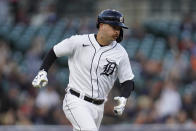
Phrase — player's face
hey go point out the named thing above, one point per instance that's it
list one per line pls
(111, 33)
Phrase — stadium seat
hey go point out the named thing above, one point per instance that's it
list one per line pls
(138, 76)
(16, 33)
(69, 33)
(146, 45)
(24, 41)
(63, 76)
(174, 28)
(132, 46)
(157, 27)
(44, 31)
(5, 29)
(158, 49)
(55, 36)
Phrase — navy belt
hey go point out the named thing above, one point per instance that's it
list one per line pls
(86, 98)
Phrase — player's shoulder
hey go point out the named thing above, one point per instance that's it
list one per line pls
(79, 36)
(120, 48)
(121, 51)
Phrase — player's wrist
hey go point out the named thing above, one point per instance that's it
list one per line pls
(127, 88)
(121, 99)
(43, 72)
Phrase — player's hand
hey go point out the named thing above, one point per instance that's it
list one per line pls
(118, 110)
(40, 80)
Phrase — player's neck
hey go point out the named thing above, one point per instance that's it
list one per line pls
(101, 40)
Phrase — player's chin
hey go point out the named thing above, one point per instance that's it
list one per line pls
(115, 37)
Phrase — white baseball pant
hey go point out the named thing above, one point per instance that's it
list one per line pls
(83, 115)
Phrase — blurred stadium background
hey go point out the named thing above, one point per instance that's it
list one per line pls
(161, 43)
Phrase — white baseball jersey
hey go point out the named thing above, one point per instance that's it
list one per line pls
(94, 68)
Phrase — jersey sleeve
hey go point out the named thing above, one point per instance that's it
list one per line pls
(65, 47)
(124, 70)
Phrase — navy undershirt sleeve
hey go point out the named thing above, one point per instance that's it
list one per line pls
(48, 60)
(126, 88)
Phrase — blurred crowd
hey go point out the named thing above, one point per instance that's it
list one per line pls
(164, 90)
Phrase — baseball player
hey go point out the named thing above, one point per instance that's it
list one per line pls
(95, 62)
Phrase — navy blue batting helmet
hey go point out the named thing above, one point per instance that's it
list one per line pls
(111, 17)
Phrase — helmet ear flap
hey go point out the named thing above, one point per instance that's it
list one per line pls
(97, 23)
(120, 38)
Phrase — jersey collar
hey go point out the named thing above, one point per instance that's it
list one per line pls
(97, 46)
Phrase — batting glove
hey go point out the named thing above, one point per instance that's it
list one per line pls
(118, 110)
(40, 80)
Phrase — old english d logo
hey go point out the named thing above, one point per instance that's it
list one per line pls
(109, 68)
